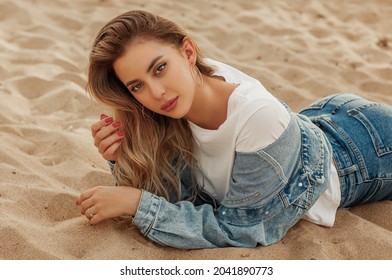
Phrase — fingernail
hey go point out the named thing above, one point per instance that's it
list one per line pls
(116, 124)
(108, 120)
(121, 133)
(103, 116)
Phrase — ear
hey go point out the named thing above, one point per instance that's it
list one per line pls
(188, 49)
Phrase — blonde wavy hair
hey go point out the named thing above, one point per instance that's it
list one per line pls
(157, 148)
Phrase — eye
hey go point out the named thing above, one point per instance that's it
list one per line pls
(135, 87)
(160, 68)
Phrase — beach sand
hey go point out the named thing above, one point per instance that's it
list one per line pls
(300, 50)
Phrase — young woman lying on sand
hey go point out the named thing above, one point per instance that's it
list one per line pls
(204, 156)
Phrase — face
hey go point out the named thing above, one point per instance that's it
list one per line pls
(158, 75)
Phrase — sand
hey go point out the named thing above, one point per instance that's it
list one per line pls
(300, 50)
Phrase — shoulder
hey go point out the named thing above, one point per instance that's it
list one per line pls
(256, 115)
(230, 73)
(262, 120)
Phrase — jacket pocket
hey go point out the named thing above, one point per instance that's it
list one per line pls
(299, 193)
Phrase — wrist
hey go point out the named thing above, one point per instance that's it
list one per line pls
(134, 202)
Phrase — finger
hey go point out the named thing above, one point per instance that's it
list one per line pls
(105, 145)
(95, 219)
(84, 196)
(90, 213)
(98, 126)
(105, 133)
(110, 153)
(86, 205)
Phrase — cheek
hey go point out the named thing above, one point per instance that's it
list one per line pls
(184, 77)
(144, 100)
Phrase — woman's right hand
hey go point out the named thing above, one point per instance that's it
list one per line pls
(107, 136)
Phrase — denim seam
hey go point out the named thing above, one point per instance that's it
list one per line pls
(147, 212)
(318, 173)
(354, 148)
(274, 164)
(337, 108)
(319, 104)
(320, 168)
(379, 146)
(242, 200)
(379, 186)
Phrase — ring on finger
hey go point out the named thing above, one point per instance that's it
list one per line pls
(90, 214)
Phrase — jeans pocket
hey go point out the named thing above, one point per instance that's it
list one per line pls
(377, 119)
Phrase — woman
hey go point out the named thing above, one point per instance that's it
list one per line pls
(204, 156)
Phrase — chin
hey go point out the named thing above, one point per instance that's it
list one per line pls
(177, 114)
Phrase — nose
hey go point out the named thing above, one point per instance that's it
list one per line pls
(157, 90)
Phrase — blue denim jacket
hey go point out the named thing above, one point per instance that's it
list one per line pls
(270, 190)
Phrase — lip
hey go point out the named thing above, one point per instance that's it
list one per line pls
(170, 105)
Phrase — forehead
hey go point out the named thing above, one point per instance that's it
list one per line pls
(142, 48)
(139, 53)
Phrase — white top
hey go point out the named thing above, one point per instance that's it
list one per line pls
(239, 133)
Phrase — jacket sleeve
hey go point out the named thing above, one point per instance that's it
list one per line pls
(184, 225)
(253, 212)
(189, 225)
(270, 191)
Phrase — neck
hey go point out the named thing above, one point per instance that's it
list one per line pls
(209, 107)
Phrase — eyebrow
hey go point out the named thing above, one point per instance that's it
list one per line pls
(152, 63)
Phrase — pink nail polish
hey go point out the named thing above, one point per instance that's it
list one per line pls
(116, 124)
(121, 133)
(108, 120)
(103, 116)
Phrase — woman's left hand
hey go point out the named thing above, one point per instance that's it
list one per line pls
(104, 202)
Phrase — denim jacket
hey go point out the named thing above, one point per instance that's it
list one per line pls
(270, 190)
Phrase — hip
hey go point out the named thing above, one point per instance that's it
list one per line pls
(360, 133)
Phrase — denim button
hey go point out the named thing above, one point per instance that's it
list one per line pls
(266, 212)
(224, 213)
(300, 184)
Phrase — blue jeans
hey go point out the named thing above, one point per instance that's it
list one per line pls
(360, 133)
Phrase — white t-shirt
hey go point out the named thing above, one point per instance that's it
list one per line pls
(240, 134)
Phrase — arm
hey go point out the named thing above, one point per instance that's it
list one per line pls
(259, 208)
(240, 221)
(183, 225)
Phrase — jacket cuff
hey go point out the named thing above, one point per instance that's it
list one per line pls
(147, 210)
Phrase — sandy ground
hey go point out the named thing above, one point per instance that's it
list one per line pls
(300, 50)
